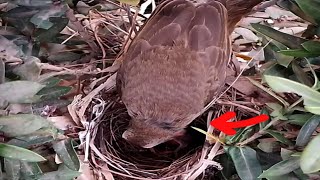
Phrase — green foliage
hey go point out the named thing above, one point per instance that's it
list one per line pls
(20, 91)
(307, 130)
(14, 152)
(310, 158)
(293, 69)
(309, 95)
(245, 162)
(282, 168)
(32, 32)
(29, 123)
(67, 154)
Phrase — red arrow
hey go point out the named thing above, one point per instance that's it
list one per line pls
(228, 127)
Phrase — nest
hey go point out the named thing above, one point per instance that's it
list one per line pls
(112, 154)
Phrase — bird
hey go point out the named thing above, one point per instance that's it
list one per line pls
(175, 65)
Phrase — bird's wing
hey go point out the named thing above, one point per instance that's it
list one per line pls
(208, 35)
(167, 22)
(202, 28)
(162, 28)
(199, 28)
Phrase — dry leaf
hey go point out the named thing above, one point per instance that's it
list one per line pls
(86, 170)
(62, 122)
(130, 2)
(247, 34)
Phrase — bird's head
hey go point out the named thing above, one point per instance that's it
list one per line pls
(148, 134)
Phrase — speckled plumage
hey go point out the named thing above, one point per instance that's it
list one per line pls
(173, 67)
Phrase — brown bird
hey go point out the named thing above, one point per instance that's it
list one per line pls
(175, 65)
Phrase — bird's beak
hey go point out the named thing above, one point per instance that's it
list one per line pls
(125, 135)
(149, 146)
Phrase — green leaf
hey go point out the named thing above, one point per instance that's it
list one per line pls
(62, 173)
(282, 168)
(315, 110)
(286, 154)
(310, 158)
(280, 58)
(39, 137)
(9, 50)
(268, 146)
(39, 107)
(278, 111)
(12, 169)
(299, 119)
(32, 3)
(307, 130)
(29, 71)
(50, 35)
(29, 170)
(279, 137)
(267, 160)
(241, 134)
(245, 161)
(19, 40)
(67, 154)
(286, 39)
(299, 53)
(294, 8)
(15, 152)
(51, 82)
(53, 92)
(247, 133)
(310, 96)
(276, 70)
(228, 167)
(312, 46)
(263, 124)
(310, 7)
(42, 18)
(299, 173)
(20, 91)
(301, 75)
(289, 176)
(19, 18)
(21, 124)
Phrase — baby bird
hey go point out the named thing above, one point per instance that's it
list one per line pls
(174, 66)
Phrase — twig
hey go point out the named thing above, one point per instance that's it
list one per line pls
(259, 134)
(284, 102)
(80, 29)
(238, 105)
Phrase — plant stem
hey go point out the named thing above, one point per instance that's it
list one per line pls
(294, 104)
(259, 133)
